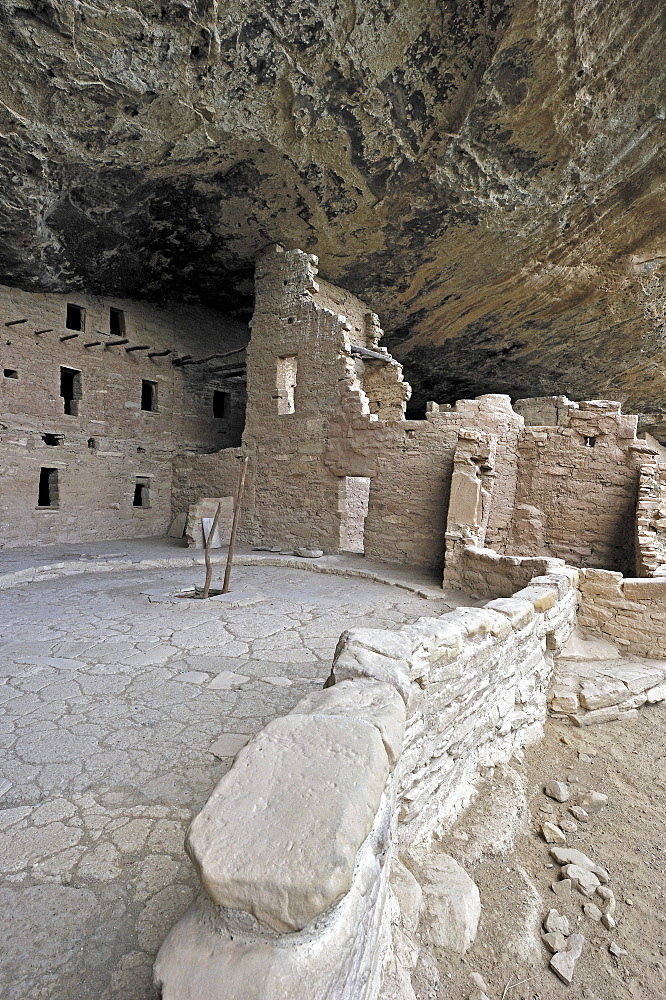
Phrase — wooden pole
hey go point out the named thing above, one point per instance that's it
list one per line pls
(209, 542)
(234, 527)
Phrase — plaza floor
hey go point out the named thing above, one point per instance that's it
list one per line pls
(113, 697)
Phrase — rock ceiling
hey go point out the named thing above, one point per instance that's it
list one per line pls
(488, 175)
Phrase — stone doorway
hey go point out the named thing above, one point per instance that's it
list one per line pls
(353, 507)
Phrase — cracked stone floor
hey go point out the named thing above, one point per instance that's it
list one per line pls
(111, 696)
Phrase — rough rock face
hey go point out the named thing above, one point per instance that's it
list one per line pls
(488, 175)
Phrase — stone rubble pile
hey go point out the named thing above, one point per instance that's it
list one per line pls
(581, 879)
(593, 683)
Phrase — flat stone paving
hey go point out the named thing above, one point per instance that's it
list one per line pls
(111, 697)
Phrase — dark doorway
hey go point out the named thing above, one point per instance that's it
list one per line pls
(116, 322)
(70, 390)
(76, 317)
(148, 395)
(48, 488)
(221, 404)
(141, 494)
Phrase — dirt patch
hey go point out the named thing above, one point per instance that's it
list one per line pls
(514, 875)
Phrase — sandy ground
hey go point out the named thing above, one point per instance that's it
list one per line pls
(498, 842)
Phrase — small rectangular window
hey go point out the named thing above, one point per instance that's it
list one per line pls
(141, 493)
(10, 373)
(52, 440)
(48, 488)
(116, 322)
(221, 404)
(286, 383)
(148, 395)
(76, 317)
(71, 390)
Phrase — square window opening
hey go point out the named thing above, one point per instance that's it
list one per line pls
(141, 494)
(52, 440)
(116, 322)
(71, 390)
(221, 404)
(10, 373)
(590, 441)
(48, 488)
(76, 317)
(287, 369)
(148, 395)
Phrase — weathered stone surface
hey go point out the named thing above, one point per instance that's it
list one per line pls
(597, 716)
(392, 143)
(452, 903)
(372, 702)
(316, 784)
(601, 693)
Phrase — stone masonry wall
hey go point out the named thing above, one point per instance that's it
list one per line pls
(345, 418)
(629, 612)
(111, 442)
(578, 485)
(294, 896)
(651, 520)
(210, 475)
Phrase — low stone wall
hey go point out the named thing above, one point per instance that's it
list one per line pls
(483, 572)
(294, 847)
(629, 612)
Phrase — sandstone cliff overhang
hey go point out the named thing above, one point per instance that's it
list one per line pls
(489, 177)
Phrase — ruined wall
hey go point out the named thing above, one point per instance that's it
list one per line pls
(108, 441)
(651, 520)
(396, 743)
(310, 432)
(577, 486)
(629, 612)
(318, 412)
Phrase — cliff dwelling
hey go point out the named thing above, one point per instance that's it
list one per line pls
(332, 501)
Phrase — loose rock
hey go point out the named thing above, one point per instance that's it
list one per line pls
(584, 880)
(592, 801)
(563, 963)
(615, 949)
(608, 896)
(568, 826)
(592, 911)
(608, 921)
(552, 834)
(556, 922)
(570, 856)
(557, 790)
(479, 981)
(579, 814)
(554, 941)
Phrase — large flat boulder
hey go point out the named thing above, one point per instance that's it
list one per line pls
(279, 836)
